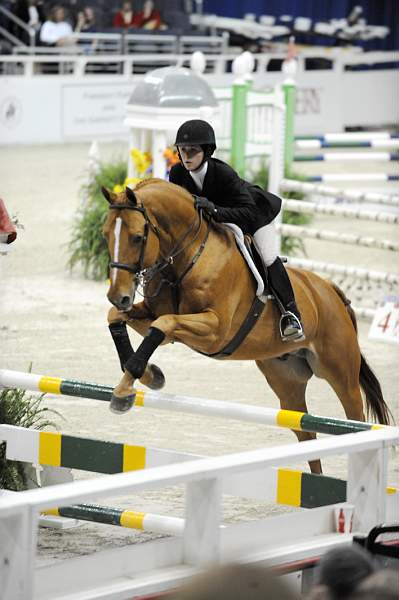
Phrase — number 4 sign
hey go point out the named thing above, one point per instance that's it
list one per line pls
(385, 325)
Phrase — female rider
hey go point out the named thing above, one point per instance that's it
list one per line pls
(227, 198)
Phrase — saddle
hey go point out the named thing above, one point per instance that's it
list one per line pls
(252, 258)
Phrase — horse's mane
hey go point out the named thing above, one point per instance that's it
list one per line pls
(161, 183)
(148, 181)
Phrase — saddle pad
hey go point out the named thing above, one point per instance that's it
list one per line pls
(239, 237)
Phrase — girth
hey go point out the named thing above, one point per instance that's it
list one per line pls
(250, 320)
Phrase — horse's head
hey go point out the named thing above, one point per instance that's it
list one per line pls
(133, 244)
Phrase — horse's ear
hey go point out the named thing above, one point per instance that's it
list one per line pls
(131, 196)
(109, 196)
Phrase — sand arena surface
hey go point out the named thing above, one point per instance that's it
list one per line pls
(57, 321)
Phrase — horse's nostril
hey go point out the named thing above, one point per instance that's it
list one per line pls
(124, 302)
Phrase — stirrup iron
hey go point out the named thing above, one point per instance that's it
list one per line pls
(296, 335)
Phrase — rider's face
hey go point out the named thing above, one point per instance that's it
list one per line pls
(191, 156)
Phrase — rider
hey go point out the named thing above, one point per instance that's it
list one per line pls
(229, 199)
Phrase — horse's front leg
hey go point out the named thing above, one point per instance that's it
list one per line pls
(198, 330)
(140, 319)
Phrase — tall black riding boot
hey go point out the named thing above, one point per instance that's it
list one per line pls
(290, 321)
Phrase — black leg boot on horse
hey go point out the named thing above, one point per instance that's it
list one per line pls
(121, 340)
(136, 365)
(154, 379)
(290, 321)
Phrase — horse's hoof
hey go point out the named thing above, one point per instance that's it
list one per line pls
(121, 405)
(158, 378)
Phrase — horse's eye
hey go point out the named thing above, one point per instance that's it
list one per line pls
(137, 238)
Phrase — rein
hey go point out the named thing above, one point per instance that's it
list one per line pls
(145, 276)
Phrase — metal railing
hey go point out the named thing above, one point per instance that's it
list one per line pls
(88, 58)
(17, 21)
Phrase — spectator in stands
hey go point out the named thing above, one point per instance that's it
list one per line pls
(86, 21)
(126, 17)
(32, 13)
(383, 585)
(235, 582)
(150, 18)
(175, 15)
(56, 31)
(340, 571)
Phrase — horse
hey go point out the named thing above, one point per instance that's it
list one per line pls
(198, 290)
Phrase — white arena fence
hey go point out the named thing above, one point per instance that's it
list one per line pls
(163, 564)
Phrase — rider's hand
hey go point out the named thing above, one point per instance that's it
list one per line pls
(206, 205)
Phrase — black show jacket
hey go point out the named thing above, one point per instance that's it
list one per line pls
(237, 201)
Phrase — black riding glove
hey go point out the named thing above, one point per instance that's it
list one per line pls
(206, 205)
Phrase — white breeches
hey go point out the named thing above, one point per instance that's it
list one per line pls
(266, 243)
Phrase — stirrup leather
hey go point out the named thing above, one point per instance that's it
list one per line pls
(296, 335)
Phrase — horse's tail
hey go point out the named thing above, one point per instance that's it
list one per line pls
(376, 406)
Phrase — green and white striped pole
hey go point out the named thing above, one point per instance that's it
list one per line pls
(239, 115)
(150, 399)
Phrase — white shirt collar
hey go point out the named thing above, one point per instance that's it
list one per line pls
(199, 175)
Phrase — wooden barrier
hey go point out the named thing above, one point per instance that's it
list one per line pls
(43, 448)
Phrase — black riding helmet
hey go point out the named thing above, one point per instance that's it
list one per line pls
(197, 132)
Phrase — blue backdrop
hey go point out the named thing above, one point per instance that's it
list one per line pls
(376, 12)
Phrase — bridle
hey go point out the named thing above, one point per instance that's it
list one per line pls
(138, 268)
(143, 275)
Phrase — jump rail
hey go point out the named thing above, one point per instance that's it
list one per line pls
(217, 408)
(341, 194)
(345, 156)
(313, 144)
(340, 211)
(351, 177)
(355, 272)
(342, 238)
(161, 524)
(349, 137)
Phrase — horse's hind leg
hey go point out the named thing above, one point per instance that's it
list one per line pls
(288, 379)
(339, 363)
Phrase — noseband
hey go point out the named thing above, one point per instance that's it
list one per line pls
(144, 276)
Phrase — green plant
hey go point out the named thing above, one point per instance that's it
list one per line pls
(87, 245)
(290, 245)
(16, 408)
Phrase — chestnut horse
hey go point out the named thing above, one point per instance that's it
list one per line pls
(198, 290)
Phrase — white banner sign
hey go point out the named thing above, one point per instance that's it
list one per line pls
(94, 110)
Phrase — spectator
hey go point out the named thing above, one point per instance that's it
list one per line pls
(235, 582)
(150, 18)
(57, 31)
(339, 572)
(30, 12)
(383, 585)
(126, 17)
(86, 21)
